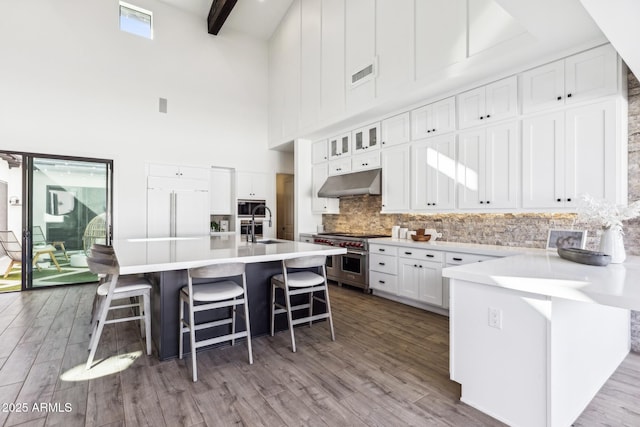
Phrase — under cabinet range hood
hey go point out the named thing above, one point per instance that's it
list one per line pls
(352, 184)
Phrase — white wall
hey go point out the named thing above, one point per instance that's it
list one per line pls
(72, 83)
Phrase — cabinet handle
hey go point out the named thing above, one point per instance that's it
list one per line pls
(559, 98)
(383, 142)
(420, 266)
(408, 253)
(457, 259)
(481, 117)
(569, 95)
(481, 202)
(381, 250)
(428, 204)
(430, 256)
(381, 263)
(382, 282)
(569, 199)
(488, 115)
(488, 201)
(558, 200)
(429, 131)
(433, 130)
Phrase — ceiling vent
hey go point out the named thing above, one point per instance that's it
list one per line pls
(363, 75)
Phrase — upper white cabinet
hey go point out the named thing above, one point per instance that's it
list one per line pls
(488, 167)
(340, 166)
(394, 42)
(320, 204)
(310, 61)
(319, 152)
(365, 161)
(434, 119)
(440, 34)
(220, 193)
(495, 101)
(566, 154)
(251, 185)
(396, 185)
(395, 130)
(366, 138)
(332, 75)
(433, 174)
(175, 171)
(360, 53)
(580, 77)
(340, 146)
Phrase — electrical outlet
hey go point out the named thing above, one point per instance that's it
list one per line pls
(495, 318)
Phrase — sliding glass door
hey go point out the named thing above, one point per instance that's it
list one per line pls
(66, 208)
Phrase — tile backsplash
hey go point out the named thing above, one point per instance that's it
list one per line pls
(362, 214)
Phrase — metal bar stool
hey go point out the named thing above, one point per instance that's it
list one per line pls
(113, 289)
(301, 282)
(213, 295)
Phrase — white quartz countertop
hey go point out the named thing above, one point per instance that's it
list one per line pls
(180, 253)
(547, 274)
(474, 248)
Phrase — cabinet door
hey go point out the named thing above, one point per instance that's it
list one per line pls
(366, 138)
(394, 42)
(169, 171)
(333, 83)
(501, 99)
(443, 116)
(430, 287)
(543, 87)
(244, 185)
(470, 161)
(590, 165)
(319, 152)
(395, 130)
(340, 166)
(543, 161)
(408, 278)
(500, 171)
(395, 179)
(320, 204)
(433, 174)
(339, 146)
(421, 122)
(159, 208)
(220, 193)
(471, 105)
(383, 282)
(591, 74)
(438, 41)
(365, 161)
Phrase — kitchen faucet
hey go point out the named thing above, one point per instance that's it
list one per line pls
(253, 220)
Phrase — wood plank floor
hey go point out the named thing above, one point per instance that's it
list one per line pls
(388, 367)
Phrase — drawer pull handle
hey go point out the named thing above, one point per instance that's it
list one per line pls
(381, 282)
(408, 253)
(457, 259)
(430, 256)
(381, 250)
(381, 263)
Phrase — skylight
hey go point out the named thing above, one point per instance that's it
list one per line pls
(136, 20)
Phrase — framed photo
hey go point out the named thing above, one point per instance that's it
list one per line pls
(566, 239)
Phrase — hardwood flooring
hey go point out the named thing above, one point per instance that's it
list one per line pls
(387, 367)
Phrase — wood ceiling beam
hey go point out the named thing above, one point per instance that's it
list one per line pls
(220, 10)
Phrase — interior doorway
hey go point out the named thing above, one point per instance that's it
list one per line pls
(285, 206)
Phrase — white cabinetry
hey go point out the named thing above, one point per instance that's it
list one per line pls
(420, 275)
(252, 185)
(319, 152)
(434, 119)
(383, 269)
(395, 178)
(366, 138)
(365, 161)
(495, 101)
(340, 166)
(488, 167)
(320, 204)
(452, 259)
(566, 154)
(340, 146)
(433, 173)
(395, 130)
(580, 77)
(175, 171)
(221, 191)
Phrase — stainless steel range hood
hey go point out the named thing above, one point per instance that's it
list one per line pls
(352, 184)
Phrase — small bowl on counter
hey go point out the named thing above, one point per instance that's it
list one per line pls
(421, 237)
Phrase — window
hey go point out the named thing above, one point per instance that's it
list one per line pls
(136, 20)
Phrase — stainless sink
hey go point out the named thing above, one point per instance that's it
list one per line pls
(268, 241)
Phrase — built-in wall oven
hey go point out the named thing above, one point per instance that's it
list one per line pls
(245, 228)
(246, 207)
(351, 268)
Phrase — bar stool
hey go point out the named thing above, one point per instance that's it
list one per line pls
(213, 295)
(113, 289)
(301, 282)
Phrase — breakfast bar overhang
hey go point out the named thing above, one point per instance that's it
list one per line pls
(166, 260)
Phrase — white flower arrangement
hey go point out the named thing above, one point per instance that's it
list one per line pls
(606, 213)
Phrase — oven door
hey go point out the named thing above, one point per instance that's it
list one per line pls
(245, 228)
(354, 270)
(332, 266)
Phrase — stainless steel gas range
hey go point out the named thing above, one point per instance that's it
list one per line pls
(351, 268)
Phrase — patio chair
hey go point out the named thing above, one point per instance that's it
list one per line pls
(13, 248)
(38, 238)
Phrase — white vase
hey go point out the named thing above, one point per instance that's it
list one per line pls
(612, 243)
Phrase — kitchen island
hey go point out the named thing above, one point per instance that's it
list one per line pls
(166, 260)
(533, 337)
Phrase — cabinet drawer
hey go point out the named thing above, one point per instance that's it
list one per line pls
(455, 258)
(382, 249)
(421, 254)
(383, 263)
(383, 282)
